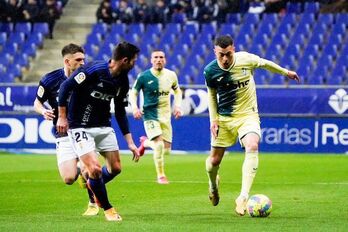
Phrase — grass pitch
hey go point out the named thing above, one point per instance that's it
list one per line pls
(309, 193)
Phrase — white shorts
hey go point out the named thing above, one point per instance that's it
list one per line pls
(85, 140)
(64, 150)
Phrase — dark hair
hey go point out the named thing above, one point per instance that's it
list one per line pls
(72, 49)
(125, 49)
(223, 41)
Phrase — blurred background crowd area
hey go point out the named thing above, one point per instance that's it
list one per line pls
(159, 11)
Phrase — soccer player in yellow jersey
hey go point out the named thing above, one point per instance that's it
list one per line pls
(233, 112)
(157, 84)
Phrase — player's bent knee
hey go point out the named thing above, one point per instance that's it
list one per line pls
(252, 147)
(115, 171)
(69, 180)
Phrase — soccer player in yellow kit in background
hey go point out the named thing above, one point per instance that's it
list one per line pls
(233, 112)
(156, 84)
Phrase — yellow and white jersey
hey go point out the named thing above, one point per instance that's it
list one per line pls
(233, 90)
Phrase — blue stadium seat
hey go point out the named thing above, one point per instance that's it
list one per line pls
(136, 28)
(22, 60)
(24, 27)
(342, 18)
(167, 39)
(208, 29)
(186, 38)
(262, 39)
(339, 29)
(261, 76)
(29, 49)
(293, 7)
(338, 75)
(154, 28)
(37, 39)
(17, 37)
(289, 19)
(276, 80)
(5, 59)
(3, 39)
(250, 18)
(15, 70)
(101, 28)
(311, 7)
(6, 27)
(227, 28)
(257, 49)
(233, 18)
(10, 48)
(331, 49)
(7, 77)
(173, 28)
(42, 28)
(94, 38)
(326, 19)
(191, 29)
(118, 29)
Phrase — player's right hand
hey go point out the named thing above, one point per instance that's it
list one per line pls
(62, 125)
(48, 114)
(137, 114)
(214, 128)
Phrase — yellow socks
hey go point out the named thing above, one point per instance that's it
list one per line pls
(212, 173)
(158, 153)
(249, 169)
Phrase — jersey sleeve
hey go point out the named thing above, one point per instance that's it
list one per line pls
(208, 80)
(259, 62)
(175, 84)
(138, 84)
(42, 92)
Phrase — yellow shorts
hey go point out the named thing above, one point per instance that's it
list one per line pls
(155, 128)
(231, 128)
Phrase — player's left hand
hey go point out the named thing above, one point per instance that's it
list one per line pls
(177, 112)
(293, 76)
(134, 150)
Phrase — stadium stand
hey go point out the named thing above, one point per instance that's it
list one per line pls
(300, 38)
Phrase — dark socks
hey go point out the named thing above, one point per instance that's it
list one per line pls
(99, 190)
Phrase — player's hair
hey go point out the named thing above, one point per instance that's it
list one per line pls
(223, 41)
(125, 49)
(72, 49)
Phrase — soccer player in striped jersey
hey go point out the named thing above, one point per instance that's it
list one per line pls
(233, 112)
(73, 57)
(157, 84)
(88, 120)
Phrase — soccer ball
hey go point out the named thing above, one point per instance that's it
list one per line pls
(259, 205)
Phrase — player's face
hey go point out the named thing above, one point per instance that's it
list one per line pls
(76, 60)
(158, 60)
(129, 64)
(224, 56)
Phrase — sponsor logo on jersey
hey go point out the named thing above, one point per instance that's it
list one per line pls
(101, 84)
(163, 93)
(101, 96)
(219, 78)
(40, 91)
(339, 101)
(80, 77)
(150, 82)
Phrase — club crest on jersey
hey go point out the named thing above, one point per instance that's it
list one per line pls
(40, 91)
(80, 77)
